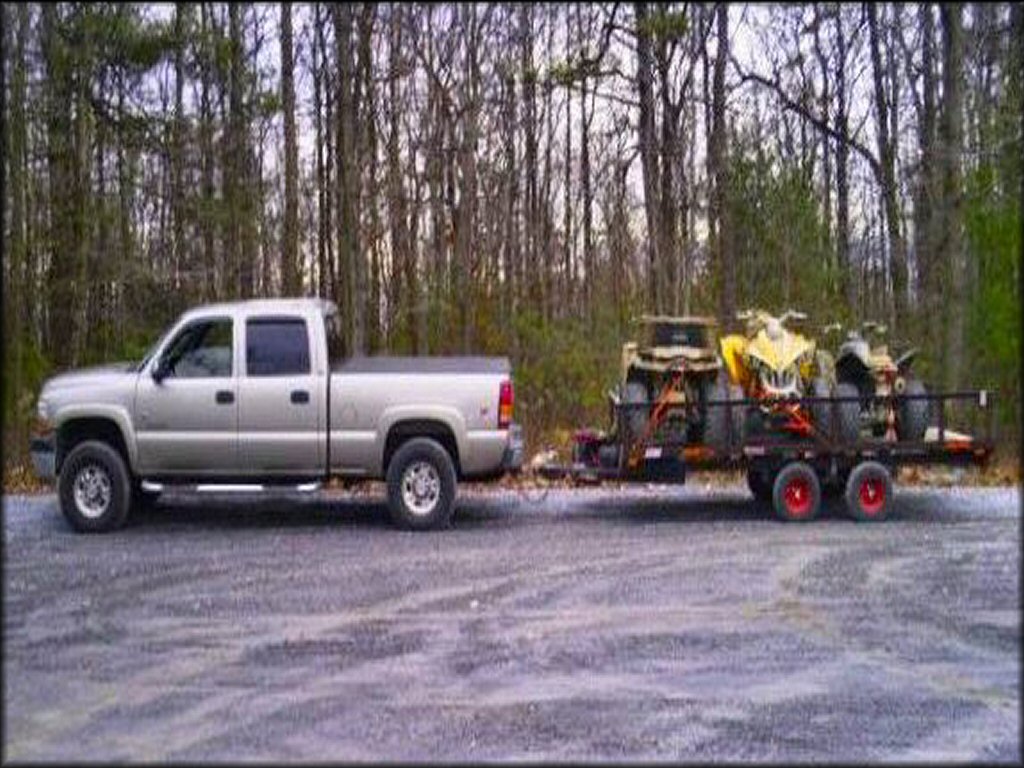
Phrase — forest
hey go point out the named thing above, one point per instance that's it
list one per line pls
(521, 179)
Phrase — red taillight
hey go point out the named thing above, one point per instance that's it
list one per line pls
(505, 399)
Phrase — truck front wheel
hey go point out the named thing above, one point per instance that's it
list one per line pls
(421, 485)
(94, 488)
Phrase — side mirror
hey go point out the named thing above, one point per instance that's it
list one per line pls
(161, 370)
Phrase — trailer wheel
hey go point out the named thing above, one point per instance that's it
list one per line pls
(796, 494)
(760, 482)
(869, 492)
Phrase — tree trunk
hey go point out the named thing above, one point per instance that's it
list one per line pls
(669, 208)
(887, 159)
(404, 279)
(846, 270)
(17, 293)
(717, 171)
(951, 250)
(926, 196)
(318, 131)
(347, 178)
(586, 118)
(290, 268)
(648, 157)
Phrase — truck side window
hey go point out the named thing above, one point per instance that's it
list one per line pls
(203, 350)
(276, 347)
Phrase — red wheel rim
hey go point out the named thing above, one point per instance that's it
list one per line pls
(797, 496)
(872, 495)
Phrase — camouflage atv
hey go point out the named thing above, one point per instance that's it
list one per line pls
(676, 361)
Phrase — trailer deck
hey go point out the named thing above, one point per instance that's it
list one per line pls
(793, 467)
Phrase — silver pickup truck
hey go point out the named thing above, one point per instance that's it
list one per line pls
(243, 398)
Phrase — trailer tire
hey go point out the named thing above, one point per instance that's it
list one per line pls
(421, 485)
(94, 488)
(912, 415)
(796, 493)
(869, 492)
(717, 418)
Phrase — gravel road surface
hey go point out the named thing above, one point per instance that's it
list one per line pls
(597, 624)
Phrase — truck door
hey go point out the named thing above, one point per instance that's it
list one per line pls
(186, 417)
(279, 399)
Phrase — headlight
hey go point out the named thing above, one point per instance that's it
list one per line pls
(43, 409)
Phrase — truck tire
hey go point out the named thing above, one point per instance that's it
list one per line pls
(717, 418)
(634, 420)
(94, 488)
(421, 485)
(912, 415)
(868, 492)
(796, 494)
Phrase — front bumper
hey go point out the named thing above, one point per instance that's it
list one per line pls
(43, 451)
(512, 460)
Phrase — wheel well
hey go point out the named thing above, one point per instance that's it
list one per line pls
(76, 431)
(404, 431)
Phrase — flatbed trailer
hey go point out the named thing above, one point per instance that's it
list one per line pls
(793, 468)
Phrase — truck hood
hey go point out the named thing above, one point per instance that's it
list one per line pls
(91, 377)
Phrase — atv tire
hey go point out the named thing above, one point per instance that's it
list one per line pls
(719, 418)
(821, 413)
(847, 430)
(912, 415)
(634, 420)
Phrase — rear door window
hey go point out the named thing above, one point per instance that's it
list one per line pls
(276, 347)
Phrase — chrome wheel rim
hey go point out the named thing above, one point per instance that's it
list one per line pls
(421, 488)
(93, 491)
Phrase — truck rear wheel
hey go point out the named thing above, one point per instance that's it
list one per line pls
(796, 494)
(869, 492)
(94, 488)
(421, 485)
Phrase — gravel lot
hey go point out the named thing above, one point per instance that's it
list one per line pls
(653, 623)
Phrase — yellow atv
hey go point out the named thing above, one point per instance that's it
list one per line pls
(669, 377)
(877, 376)
(779, 366)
